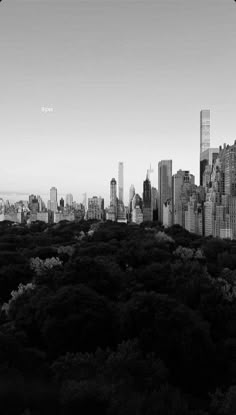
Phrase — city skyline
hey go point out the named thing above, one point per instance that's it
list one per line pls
(85, 84)
(205, 210)
(207, 157)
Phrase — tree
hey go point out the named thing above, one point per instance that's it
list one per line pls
(174, 333)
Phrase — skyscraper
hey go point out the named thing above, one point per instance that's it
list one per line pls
(53, 194)
(69, 199)
(137, 212)
(204, 130)
(85, 201)
(121, 181)
(112, 210)
(227, 156)
(147, 200)
(113, 194)
(207, 158)
(207, 155)
(62, 202)
(52, 203)
(182, 188)
(41, 203)
(220, 204)
(164, 184)
(131, 195)
(121, 214)
(94, 208)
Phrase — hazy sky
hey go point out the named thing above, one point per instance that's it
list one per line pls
(126, 80)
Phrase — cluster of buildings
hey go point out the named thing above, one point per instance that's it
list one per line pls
(34, 209)
(207, 209)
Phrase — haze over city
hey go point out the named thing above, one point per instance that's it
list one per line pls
(122, 81)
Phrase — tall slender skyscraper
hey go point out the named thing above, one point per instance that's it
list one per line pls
(207, 155)
(147, 200)
(131, 195)
(121, 215)
(84, 203)
(112, 210)
(113, 195)
(164, 184)
(204, 130)
(121, 181)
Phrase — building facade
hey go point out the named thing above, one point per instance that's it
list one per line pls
(183, 186)
(69, 200)
(147, 200)
(112, 210)
(204, 130)
(164, 184)
(207, 159)
(95, 210)
(121, 181)
(52, 203)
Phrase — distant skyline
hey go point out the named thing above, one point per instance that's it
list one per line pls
(86, 84)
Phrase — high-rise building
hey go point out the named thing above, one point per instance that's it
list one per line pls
(194, 214)
(220, 206)
(121, 181)
(137, 209)
(207, 159)
(227, 156)
(95, 208)
(40, 202)
(52, 203)
(112, 210)
(182, 189)
(131, 195)
(69, 200)
(147, 200)
(137, 201)
(155, 203)
(33, 204)
(164, 184)
(53, 194)
(167, 213)
(121, 214)
(113, 193)
(204, 130)
(137, 215)
(31, 198)
(62, 203)
(84, 203)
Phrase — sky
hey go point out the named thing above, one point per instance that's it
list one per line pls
(123, 80)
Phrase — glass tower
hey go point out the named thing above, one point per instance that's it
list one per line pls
(164, 184)
(121, 181)
(204, 130)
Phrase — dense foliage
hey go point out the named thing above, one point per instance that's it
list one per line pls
(119, 319)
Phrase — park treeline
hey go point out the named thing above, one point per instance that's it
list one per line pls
(116, 319)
